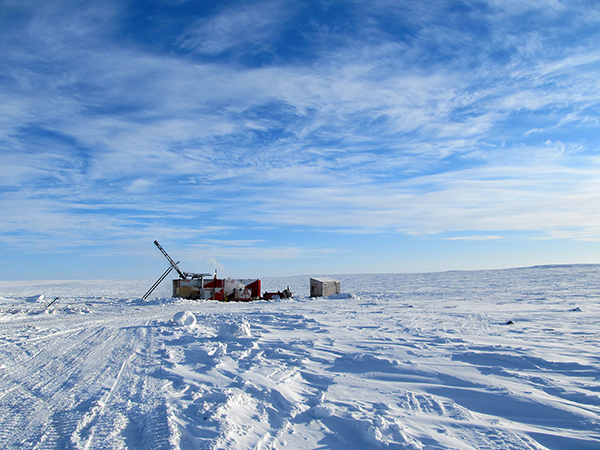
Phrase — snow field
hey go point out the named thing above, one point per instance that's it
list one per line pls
(425, 361)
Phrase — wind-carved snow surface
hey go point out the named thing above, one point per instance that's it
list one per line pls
(460, 360)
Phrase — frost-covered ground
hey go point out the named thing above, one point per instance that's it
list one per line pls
(399, 361)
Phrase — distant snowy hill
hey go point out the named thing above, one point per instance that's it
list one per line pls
(504, 359)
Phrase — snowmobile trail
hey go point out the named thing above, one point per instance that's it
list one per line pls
(61, 383)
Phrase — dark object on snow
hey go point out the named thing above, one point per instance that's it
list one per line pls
(510, 322)
(52, 302)
(286, 293)
(578, 309)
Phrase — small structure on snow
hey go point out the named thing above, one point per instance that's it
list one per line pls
(324, 287)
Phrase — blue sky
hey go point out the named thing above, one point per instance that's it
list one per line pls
(268, 138)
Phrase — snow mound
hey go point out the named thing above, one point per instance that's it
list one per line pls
(235, 329)
(35, 299)
(323, 411)
(184, 319)
(390, 435)
(219, 350)
(75, 309)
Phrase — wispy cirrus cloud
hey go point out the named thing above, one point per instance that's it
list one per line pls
(238, 29)
(450, 117)
(474, 238)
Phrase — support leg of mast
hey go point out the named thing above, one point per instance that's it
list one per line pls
(154, 286)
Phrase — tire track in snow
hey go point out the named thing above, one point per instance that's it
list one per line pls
(133, 412)
(39, 386)
(57, 379)
(74, 383)
(89, 424)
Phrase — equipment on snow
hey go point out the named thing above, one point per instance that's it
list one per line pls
(195, 286)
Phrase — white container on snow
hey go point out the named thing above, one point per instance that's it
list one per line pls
(324, 287)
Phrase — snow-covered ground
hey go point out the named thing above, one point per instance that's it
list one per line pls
(505, 359)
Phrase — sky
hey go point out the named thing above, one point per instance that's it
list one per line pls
(272, 138)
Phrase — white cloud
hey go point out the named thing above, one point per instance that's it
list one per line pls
(475, 238)
(246, 28)
(139, 186)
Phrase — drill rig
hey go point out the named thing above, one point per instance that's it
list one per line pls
(206, 286)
